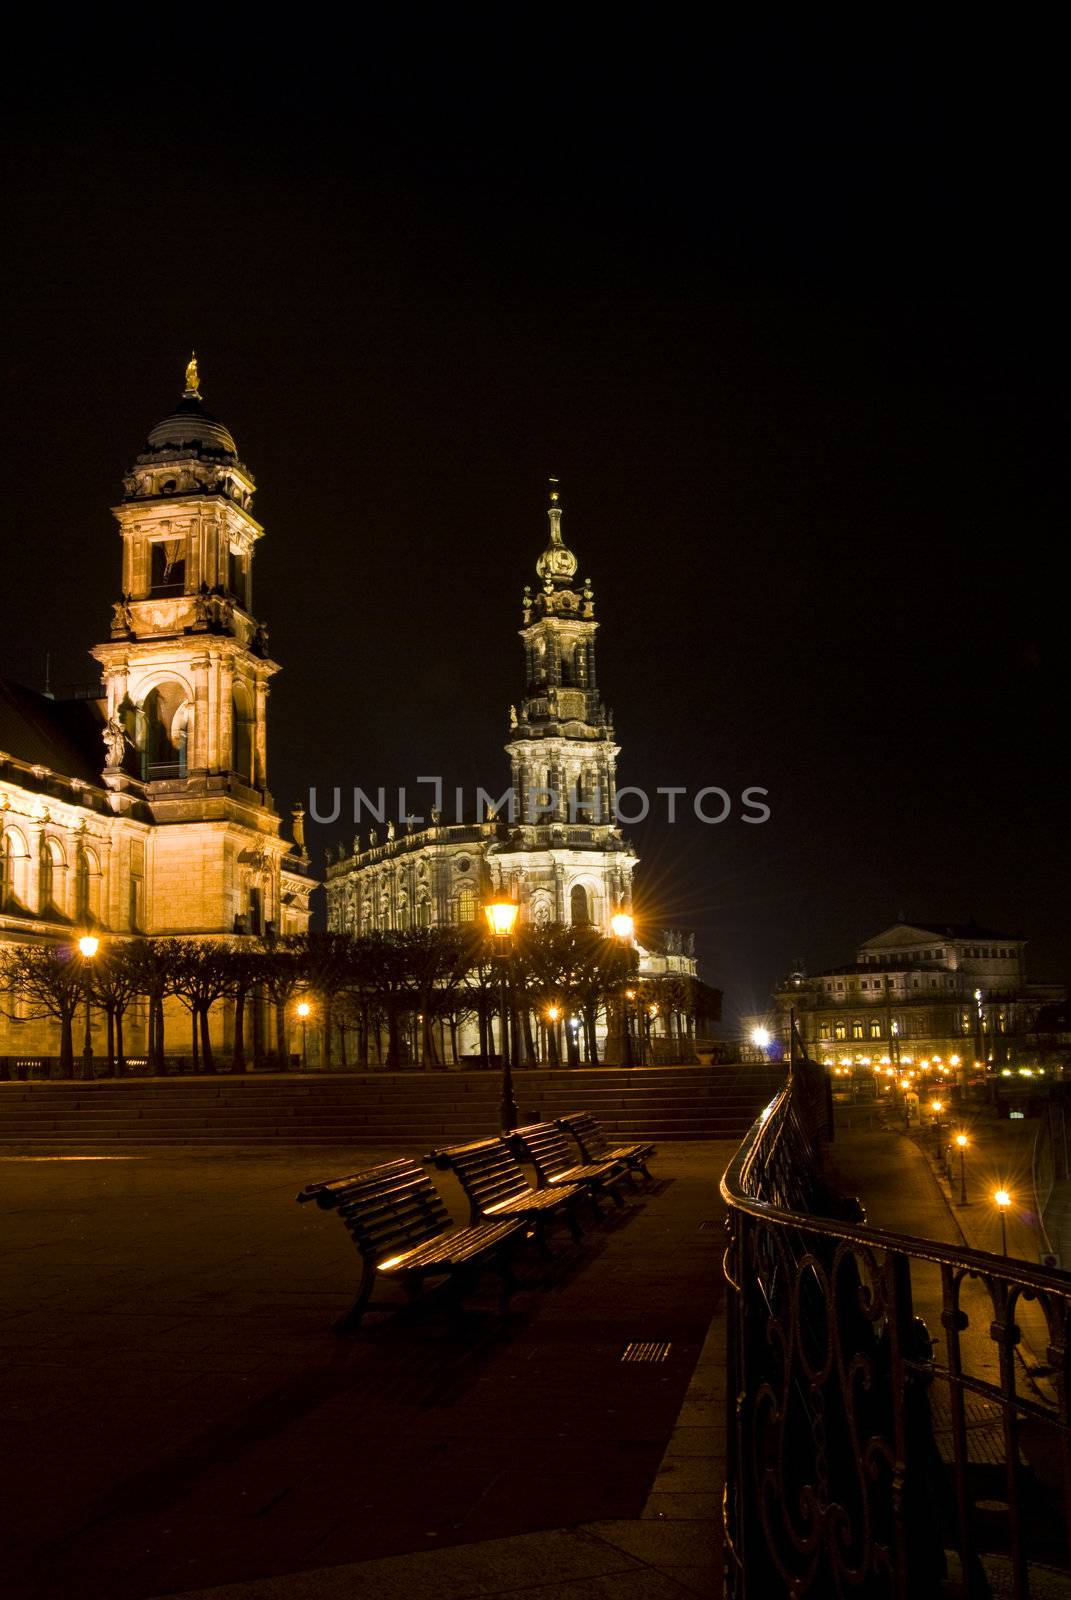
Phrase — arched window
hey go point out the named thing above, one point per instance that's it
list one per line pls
(466, 905)
(52, 870)
(242, 742)
(162, 732)
(87, 887)
(579, 905)
(14, 865)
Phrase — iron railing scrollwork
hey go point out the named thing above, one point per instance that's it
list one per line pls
(864, 1460)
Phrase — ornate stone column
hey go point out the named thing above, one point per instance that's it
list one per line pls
(35, 834)
(261, 766)
(222, 758)
(198, 759)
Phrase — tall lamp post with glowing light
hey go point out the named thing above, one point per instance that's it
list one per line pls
(1003, 1200)
(623, 925)
(501, 920)
(88, 946)
(961, 1145)
(937, 1106)
(304, 1011)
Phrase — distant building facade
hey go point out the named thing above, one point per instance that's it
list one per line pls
(146, 809)
(951, 993)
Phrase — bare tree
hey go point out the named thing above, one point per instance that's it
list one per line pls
(47, 981)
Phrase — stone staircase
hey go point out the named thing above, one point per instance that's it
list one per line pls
(407, 1109)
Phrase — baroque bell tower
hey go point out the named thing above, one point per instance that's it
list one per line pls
(562, 753)
(563, 855)
(186, 677)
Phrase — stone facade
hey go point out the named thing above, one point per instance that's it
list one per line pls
(147, 811)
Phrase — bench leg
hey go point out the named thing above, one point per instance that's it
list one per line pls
(352, 1320)
(571, 1218)
(614, 1191)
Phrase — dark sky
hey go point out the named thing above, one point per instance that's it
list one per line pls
(783, 309)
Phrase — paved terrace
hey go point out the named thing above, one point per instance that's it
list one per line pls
(179, 1416)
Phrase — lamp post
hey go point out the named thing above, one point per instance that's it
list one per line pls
(937, 1106)
(501, 920)
(1003, 1199)
(88, 945)
(304, 1011)
(962, 1142)
(623, 925)
(553, 1014)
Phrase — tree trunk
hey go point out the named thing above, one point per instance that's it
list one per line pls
(429, 1049)
(120, 1059)
(529, 1042)
(453, 1042)
(66, 1047)
(282, 1044)
(238, 1057)
(207, 1057)
(196, 1054)
(327, 1033)
(160, 1064)
(111, 1041)
(590, 1017)
(394, 1052)
(552, 1044)
(481, 1018)
(362, 1037)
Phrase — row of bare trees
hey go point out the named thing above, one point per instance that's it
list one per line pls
(382, 999)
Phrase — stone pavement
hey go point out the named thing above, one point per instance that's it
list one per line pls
(178, 1414)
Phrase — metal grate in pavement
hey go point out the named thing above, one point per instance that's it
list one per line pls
(648, 1350)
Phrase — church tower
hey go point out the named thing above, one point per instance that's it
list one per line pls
(186, 678)
(562, 755)
(565, 856)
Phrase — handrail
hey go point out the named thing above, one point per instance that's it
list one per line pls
(856, 1461)
(1013, 1271)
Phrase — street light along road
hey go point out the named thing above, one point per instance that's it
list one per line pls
(501, 920)
(88, 945)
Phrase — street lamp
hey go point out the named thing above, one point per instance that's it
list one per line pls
(501, 920)
(304, 1011)
(760, 1038)
(1003, 1200)
(937, 1106)
(553, 1014)
(622, 924)
(962, 1142)
(88, 946)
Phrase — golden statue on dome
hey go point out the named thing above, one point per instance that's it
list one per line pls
(192, 379)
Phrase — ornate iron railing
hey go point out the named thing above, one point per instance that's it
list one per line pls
(862, 1460)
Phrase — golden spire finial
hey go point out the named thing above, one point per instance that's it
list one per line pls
(192, 380)
(554, 496)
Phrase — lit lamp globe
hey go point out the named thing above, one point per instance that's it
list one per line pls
(88, 945)
(760, 1038)
(303, 1009)
(501, 917)
(622, 924)
(553, 1013)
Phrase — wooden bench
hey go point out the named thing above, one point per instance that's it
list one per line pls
(495, 1186)
(594, 1146)
(552, 1156)
(402, 1229)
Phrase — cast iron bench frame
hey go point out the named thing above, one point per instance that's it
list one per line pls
(549, 1151)
(495, 1186)
(401, 1228)
(593, 1145)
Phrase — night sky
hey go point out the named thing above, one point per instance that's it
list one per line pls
(780, 308)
